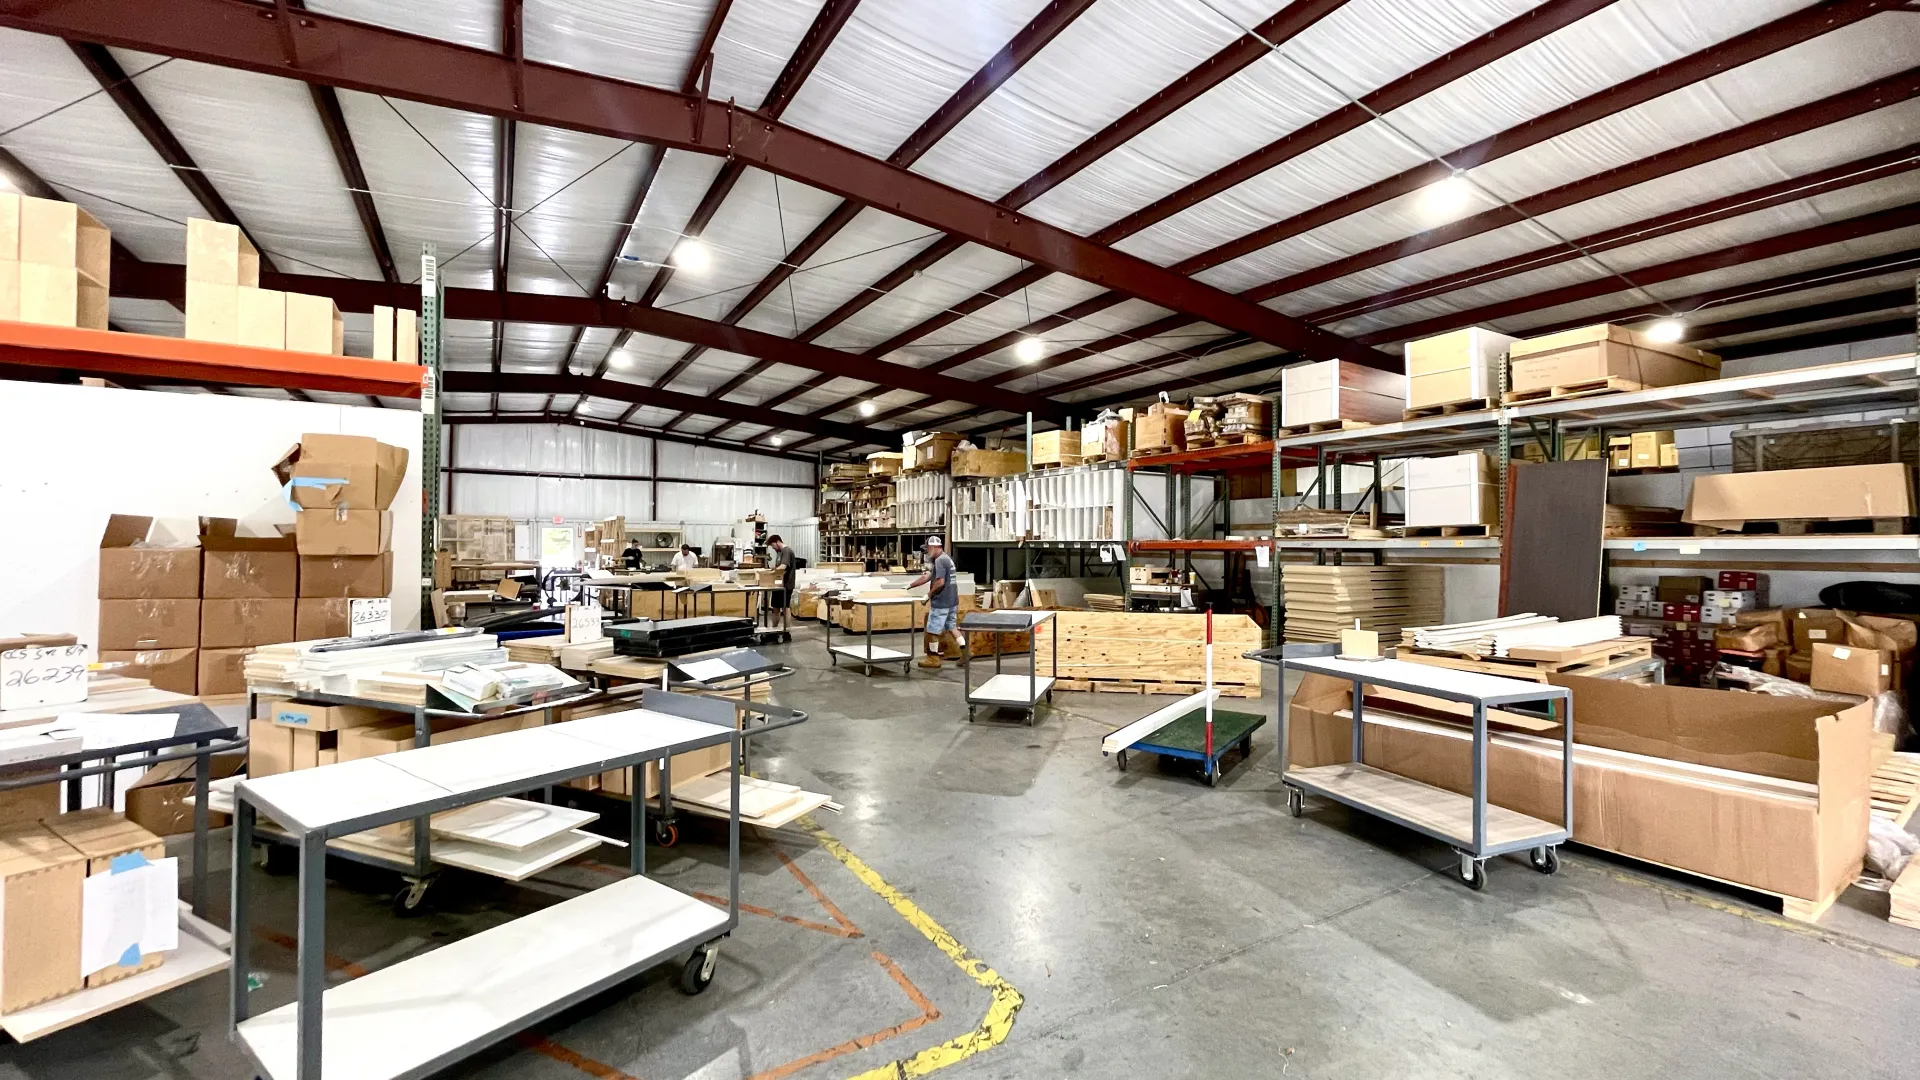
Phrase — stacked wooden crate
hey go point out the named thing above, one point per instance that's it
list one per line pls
(54, 263)
(1321, 601)
(1142, 653)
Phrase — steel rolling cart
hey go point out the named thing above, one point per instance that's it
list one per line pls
(868, 654)
(1476, 829)
(418, 1016)
(1005, 690)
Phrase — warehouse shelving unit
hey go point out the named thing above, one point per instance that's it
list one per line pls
(112, 354)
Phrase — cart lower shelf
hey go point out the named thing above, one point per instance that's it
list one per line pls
(1186, 737)
(1441, 814)
(417, 1016)
(1017, 691)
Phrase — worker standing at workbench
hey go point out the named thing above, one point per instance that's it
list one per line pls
(943, 606)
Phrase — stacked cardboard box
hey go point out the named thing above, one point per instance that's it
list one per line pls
(1331, 390)
(247, 598)
(149, 605)
(44, 867)
(343, 485)
(1593, 353)
(1457, 489)
(1164, 428)
(396, 334)
(226, 304)
(1461, 366)
(54, 262)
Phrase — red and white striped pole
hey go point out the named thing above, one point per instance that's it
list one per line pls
(1209, 685)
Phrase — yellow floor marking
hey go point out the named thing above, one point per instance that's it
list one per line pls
(993, 1027)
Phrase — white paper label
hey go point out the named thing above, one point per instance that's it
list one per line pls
(1841, 652)
(43, 675)
(583, 624)
(127, 914)
(1262, 556)
(1815, 634)
(370, 617)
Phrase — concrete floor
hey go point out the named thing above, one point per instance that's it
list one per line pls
(1143, 925)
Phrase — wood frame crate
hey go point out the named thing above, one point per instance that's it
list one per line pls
(1134, 653)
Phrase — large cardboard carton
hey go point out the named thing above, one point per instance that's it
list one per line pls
(1852, 669)
(364, 742)
(1597, 352)
(213, 312)
(1160, 431)
(1816, 626)
(261, 318)
(1315, 393)
(344, 532)
(9, 226)
(233, 624)
(313, 325)
(237, 567)
(1766, 792)
(269, 748)
(1056, 448)
(1457, 366)
(60, 234)
(885, 463)
(330, 471)
(1730, 500)
(1457, 489)
(57, 296)
(220, 254)
(40, 881)
(316, 617)
(346, 575)
(160, 801)
(308, 716)
(149, 624)
(177, 670)
(222, 671)
(132, 570)
(987, 463)
(103, 836)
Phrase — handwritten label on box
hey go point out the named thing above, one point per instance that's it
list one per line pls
(371, 617)
(42, 675)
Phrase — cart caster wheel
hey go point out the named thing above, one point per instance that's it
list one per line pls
(1473, 873)
(1545, 859)
(1123, 761)
(666, 833)
(697, 973)
(411, 901)
(1213, 777)
(281, 860)
(1296, 802)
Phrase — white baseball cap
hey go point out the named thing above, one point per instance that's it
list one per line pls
(934, 541)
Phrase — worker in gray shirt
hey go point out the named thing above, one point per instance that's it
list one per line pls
(943, 605)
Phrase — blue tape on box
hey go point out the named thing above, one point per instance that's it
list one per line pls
(132, 860)
(286, 490)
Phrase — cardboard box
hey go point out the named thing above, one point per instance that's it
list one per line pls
(406, 336)
(346, 575)
(313, 325)
(102, 836)
(932, 450)
(312, 749)
(1598, 352)
(248, 567)
(364, 742)
(1816, 626)
(311, 717)
(316, 617)
(1669, 456)
(1730, 500)
(1329, 390)
(221, 671)
(352, 471)
(10, 226)
(1681, 588)
(1457, 366)
(1648, 448)
(148, 624)
(269, 748)
(129, 570)
(9, 287)
(885, 463)
(382, 332)
(232, 624)
(1742, 579)
(1056, 448)
(220, 254)
(1457, 489)
(40, 882)
(159, 801)
(1851, 669)
(177, 670)
(1636, 791)
(1799, 667)
(55, 296)
(213, 312)
(60, 234)
(261, 320)
(1160, 431)
(344, 532)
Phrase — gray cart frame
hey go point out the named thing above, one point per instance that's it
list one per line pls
(1481, 692)
(1009, 622)
(867, 660)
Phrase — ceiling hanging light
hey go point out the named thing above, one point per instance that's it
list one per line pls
(1666, 331)
(866, 408)
(1446, 198)
(692, 256)
(1029, 349)
(776, 440)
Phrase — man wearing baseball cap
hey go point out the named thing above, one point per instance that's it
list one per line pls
(943, 606)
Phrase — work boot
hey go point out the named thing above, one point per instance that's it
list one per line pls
(930, 643)
(950, 646)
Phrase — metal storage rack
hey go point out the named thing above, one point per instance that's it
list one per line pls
(401, 1021)
(1477, 830)
(868, 654)
(1008, 691)
(1178, 522)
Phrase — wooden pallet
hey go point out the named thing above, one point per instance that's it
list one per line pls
(1321, 427)
(1159, 451)
(1889, 526)
(1612, 384)
(1451, 530)
(1043, 466)
(1895, 788)
(1596, 659)
(1175, 689)
(1244, 438)
(1448, 408)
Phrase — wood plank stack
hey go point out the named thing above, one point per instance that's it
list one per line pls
(1149, 653)
(1321, 601)
(1904, 898)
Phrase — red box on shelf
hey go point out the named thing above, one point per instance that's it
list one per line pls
(1739, 579)
(1681, 612)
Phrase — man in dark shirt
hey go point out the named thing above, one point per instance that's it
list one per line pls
(780, 557)
(632, 556)
(943, 605)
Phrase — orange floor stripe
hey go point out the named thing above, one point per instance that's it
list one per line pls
(928, 1014)
(809, 924)
(549, 1049)
(832, 912)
